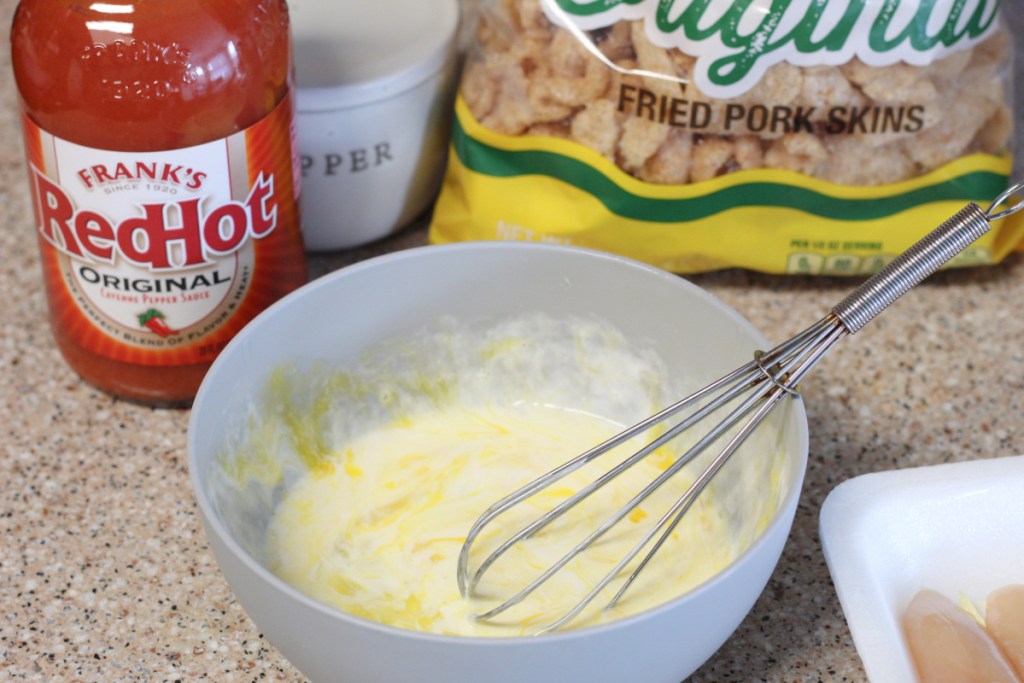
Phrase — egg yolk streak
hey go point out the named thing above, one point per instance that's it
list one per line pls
(376, 528)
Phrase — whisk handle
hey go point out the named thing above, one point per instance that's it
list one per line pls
(911, 267)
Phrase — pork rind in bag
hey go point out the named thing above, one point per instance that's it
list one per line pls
(816, 137)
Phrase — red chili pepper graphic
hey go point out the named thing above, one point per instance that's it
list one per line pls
(154, 320)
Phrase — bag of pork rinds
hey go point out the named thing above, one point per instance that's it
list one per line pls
(810, 137)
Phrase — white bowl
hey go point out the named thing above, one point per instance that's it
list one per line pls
(373, 113)
(954, 528)
(342, 315)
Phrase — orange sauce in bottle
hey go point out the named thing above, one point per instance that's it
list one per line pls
(162, 165)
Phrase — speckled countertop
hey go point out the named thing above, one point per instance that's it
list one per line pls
(105, 574)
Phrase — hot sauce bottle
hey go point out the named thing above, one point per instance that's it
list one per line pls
(161, 157)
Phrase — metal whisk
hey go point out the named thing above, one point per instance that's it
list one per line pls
(758, 386)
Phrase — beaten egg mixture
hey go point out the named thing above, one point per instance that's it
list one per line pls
(376, 530)
(358, 485)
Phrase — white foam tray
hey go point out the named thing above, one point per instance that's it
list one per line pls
(956, 528)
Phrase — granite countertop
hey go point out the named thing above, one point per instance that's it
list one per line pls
(105, 573)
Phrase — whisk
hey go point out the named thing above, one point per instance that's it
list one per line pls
(758, 387)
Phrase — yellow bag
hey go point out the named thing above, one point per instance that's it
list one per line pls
(821, 138)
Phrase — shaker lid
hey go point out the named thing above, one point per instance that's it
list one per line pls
(352, 52)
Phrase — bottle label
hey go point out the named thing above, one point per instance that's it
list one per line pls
(159, 258)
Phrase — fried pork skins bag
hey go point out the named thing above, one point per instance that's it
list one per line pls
(785, 136)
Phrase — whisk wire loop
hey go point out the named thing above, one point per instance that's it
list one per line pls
(626, 509)
(992, 215)
(823, 336)
(467, 583)
(785, 368)
(734, 384)
(831, 332)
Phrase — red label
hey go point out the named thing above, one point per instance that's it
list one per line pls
(161, 257)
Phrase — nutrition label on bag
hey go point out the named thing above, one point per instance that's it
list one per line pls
(818, 263)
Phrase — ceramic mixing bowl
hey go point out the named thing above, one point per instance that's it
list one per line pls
(339, 318)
